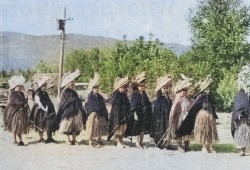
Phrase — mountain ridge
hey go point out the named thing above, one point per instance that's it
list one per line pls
(24, 51)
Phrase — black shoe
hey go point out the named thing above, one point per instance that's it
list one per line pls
(20, 143)
(51, 140)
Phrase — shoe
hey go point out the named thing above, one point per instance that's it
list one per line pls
(51, 140)
(20, 143)
(15, 142)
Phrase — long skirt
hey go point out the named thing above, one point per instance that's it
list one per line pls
(18, 122)
(174, 124)
(205, 130)
(41, 120)
(242, 134)
(119, 132)
(96, 126)
(72, 125)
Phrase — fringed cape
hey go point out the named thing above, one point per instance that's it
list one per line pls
(187, 125)
(119, 111)
(241, 107)
(69, 106)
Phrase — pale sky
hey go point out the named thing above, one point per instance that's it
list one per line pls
(166, 19)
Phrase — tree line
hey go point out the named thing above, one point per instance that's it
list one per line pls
(219, 47)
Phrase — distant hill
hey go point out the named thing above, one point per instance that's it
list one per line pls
(25, 51)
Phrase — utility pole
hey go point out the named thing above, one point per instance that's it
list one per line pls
(61, 26)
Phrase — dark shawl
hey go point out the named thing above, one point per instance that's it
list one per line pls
(46, 102)
(187, 125)
(241, 108)
(160, 117)
(95, 103)
(140, 104)
(17, 101)
(119, 111)
(69, 106)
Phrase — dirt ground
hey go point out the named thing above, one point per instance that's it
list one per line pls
(62, 156)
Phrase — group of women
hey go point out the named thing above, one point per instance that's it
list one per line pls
(180, 117)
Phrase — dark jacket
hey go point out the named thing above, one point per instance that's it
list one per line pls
(69, 106)
(119, 111)
(141, 106)
(46, 116)
(201, 101)
(241, 108)
(95, 103)
(160, 117)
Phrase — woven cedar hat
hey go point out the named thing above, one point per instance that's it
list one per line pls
(94, 82)
(68, 77)
(139, 78)
(163, 81)
(15, 81)
(119, 82)
(40, 81)
(183, 83)
(205, 83)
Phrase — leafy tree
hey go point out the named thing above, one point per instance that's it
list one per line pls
(43, 67)
(130, 58)
(220, 29)
(80, 59)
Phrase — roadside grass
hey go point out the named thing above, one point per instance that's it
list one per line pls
(219, 148)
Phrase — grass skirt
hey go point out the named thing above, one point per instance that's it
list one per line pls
(119, 132)
(18, 123)
(96, 126)
(205, 130)
(242, 134)
(71, 125)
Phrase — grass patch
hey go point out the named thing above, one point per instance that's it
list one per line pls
(219, 148)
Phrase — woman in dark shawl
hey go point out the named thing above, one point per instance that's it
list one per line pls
(201, 119)
(240, 124)
(97, 113)
(16, 111)
(43, 111)
(97, 117)
(119, 111)
(70, 115)
(161, 108)
(140, 112)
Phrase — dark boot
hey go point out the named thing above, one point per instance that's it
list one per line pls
(186, 146)
(50, 139)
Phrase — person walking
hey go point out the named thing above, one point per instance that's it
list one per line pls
(119, 111)
(16, 111)
(71, 117)
(240, 123)
(43, 111)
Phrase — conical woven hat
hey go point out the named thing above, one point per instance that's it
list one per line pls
(41, 81)
(119, 82)
(139, 78)
(183, 83)
(93, 82)
(205, 83)
(15, 81)
(162, 81)
(68, 77)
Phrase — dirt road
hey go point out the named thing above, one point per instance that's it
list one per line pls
(62, 156)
